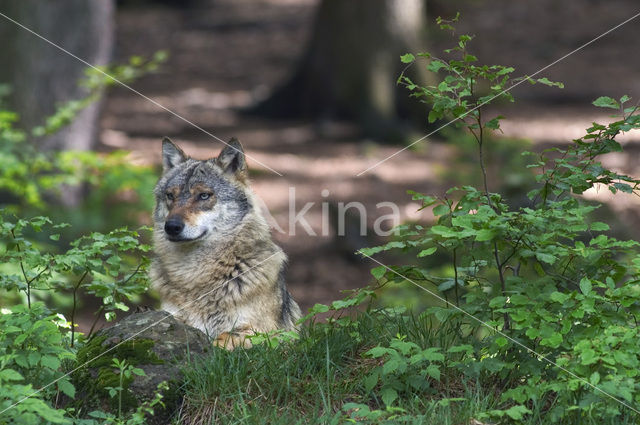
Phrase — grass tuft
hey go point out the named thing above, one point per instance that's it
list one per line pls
(317, 378)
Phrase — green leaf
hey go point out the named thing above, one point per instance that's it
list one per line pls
(497, 302)
(466, 348)
(433, 354)
(10, 375)
(625, 359)
(552, 341)
(407, 58)
(427, 252)
(519, 299)
(433, 116)
(100, 414)
(379, 272)
(388, 395)
(371, 381)
(446, 285)
(506, 70)
(435, 65)
(532, 333)
(34, 358)
(599, 227)
(545, 258)
(547, 82)
(501, 341)
(558, 297)
(377, 352)
(444, 231)
(390, 366)
(606, 102)
(50, 361)
(588, 357)
(585, 286)
(433, 371)
(441, 210)
(67, 388)
(485, 235)
(517, 412)
(20, 339)
(138, 371)
(493, 124)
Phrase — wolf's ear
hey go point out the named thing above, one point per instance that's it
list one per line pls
(172, 155)
(231, 159)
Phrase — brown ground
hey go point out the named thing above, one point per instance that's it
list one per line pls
(231, 55)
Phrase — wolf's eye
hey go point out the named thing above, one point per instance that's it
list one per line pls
(170, 196)
(204, 196)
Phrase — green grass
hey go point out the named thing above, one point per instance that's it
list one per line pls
(320, 378)
(311, 380)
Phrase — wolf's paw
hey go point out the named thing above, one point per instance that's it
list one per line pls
(234, 339)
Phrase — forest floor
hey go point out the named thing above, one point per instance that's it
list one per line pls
(230, 55)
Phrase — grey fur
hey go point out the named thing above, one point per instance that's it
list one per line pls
(172, 155)
(231, 158)
(222, 274)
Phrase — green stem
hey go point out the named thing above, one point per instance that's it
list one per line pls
(455, 274)
(120, 393)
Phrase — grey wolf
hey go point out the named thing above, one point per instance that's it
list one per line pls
(210, 238)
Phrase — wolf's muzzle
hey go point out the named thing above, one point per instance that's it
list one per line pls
(173, 227)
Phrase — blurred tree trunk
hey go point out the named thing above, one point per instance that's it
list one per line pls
(352, 63)
(42, 77)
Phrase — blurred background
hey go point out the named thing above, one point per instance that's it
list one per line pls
(309, 88)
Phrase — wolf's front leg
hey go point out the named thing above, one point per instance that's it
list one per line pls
(237, 337)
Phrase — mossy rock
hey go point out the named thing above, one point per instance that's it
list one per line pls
(153, 341)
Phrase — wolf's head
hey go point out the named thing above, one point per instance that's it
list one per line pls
(202, 200)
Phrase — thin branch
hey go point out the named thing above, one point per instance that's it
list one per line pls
(507, 325)
(24, 273)
(73, 310)
(95, 321)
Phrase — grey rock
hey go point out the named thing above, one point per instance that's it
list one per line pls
(153, 341)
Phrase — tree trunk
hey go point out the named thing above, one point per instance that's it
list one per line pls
(352, 64)
(40, 76)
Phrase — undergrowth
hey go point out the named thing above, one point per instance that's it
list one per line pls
(342, 372)
(336, 372)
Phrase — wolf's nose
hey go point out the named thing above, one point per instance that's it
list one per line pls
(173, 227)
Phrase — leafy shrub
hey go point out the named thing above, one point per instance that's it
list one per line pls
(32, 351)
(95, 265)
(45, 269)
(407, 366)
(37, 343)
(555, 300)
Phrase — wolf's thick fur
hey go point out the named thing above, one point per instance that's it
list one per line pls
(215, 265)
